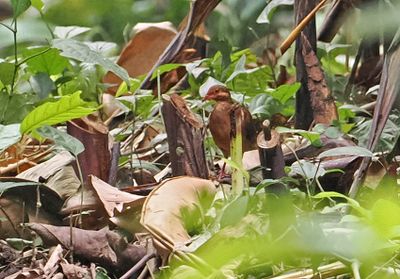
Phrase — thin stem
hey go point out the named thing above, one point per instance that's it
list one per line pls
(82, 186)
(47, 25)
(33, 56)
(8, 27)
(15, 56)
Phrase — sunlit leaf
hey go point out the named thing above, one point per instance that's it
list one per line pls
(66, 108)
(67, 32)
(38, 4)
(49, 61)
(165, 69)
(285, 92)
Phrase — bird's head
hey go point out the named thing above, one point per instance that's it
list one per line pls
(218, 93)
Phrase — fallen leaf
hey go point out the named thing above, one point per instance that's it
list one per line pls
(164, 209)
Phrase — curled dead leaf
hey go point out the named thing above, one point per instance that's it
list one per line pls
(172, 211)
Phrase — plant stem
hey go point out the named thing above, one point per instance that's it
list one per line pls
(15, 56)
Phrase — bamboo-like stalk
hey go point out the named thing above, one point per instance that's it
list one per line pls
(325, 271)
(300, 27)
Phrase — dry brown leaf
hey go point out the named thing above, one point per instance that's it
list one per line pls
(72, 271)
(112, 198)
(128, 218)
(142, 52)
(58, 175)
(163, 208)
(104, 247)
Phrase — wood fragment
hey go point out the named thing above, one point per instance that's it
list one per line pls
(271, 155)
(185, 138)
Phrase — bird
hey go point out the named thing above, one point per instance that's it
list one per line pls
(222, 121)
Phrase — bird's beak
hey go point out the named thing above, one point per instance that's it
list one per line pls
(207, 97)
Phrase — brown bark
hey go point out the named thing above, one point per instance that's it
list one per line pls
(304, 113)
(322, 103)
(185, 138)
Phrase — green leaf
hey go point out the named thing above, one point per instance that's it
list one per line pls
(234, 211)
(9, 135)
(67, 32)
(38, 4)
(66, 108)
(353, 203)
(265, 15)
(6, 72)
(13, 108)
(42, 85)
(19, 6)
(307, 170)
(62, 139)
(313, 137)
(347, 151)
(285, 92)
(240, 68)
(50, 62)
(165, 69)
(81, 52)
(385, 215)
(135, 85)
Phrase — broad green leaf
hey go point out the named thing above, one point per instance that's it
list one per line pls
(265, 104)
(9, 135)
(385, 215)
(19, 6)
(42, 85)
(135, 85)
(50, 62)
(265, 15)
(165, 69)
(240, 68)
(67, 32)
(307, 170)
(347, 151)
(81, 52)
(66, 108)
(388, 138)
(6, 72)
(38, 4)
(13, 108)
(62, 139)
(353, 203)
(285, 92)
(234, 211)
